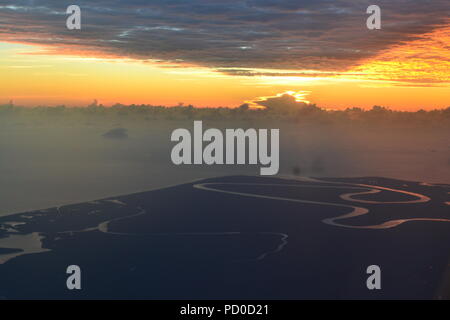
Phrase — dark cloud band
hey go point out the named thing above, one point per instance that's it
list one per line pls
(290, 34)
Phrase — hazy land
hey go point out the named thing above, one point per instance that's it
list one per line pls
(56, 155)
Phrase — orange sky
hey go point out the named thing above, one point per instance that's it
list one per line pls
(408, 76)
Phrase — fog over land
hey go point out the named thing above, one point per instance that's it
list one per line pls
(57, 155)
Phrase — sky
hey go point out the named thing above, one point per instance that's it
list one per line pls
(212, 53)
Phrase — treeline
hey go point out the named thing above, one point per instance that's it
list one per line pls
(308, 112)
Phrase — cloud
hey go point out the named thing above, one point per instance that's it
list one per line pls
(318, 35)
(280, 73)
(422, 62)
(283, 102)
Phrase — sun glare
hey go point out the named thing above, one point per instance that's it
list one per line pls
(299, 96)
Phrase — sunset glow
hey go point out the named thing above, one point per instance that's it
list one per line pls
(40, 68)
(421, 62)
